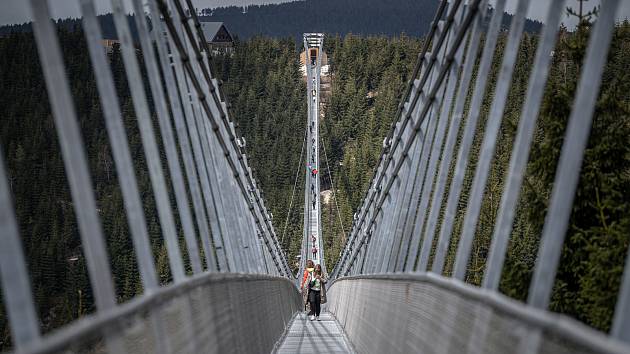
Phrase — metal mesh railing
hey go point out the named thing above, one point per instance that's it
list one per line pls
(430, 314)
(211, 313)
(422, 210)
(205, 161)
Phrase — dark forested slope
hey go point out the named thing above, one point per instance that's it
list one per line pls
(365, 17)
(292, 19)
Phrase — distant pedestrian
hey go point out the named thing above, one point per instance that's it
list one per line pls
(312, 188)
(314, 251)
(314, 202)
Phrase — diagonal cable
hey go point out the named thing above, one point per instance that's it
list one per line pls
(297, 175)
(332, 185)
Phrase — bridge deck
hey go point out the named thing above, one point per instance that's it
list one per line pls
(324, 336)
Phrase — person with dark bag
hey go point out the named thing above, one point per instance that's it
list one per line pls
(310, 267)
(314, 292)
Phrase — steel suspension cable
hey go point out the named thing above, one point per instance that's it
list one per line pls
(297, 175)
(201, 81)
(332, 185)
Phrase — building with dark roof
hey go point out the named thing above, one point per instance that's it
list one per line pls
(219, 38)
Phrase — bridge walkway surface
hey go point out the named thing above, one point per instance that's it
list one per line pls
(323, 336)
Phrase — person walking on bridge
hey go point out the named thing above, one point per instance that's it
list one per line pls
(316, 281)
(324, 280)
(310, 267)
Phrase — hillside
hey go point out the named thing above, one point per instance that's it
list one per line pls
(364, 17)
(292, 19)
(267, 95)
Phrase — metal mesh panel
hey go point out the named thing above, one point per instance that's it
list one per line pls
(213, 313)
(429, 314)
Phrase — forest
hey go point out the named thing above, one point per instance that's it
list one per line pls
(267, 99)
(38, 181)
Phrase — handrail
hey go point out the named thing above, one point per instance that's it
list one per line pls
(552, 324)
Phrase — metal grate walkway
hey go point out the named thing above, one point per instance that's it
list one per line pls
(312, 246)
(324, 336)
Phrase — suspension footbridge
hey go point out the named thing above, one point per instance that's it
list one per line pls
(389, 291)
